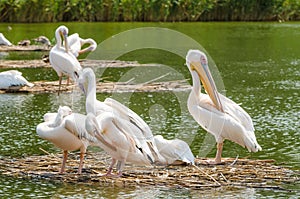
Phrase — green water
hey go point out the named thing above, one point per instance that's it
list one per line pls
(259, 65)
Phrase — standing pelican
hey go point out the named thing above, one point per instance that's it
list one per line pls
(12, 78)
(4, 41)
(217, 114)
(67, 132)
(87, 82)
(175, 151)
(75, 44)
(61, 59)
(116, 136)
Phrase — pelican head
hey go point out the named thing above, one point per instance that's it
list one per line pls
(85, 78)
(63, 32)
(197, 63)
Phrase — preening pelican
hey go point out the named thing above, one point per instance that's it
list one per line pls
(61, 59)
(4, 41)
(175, 151)
(87, 82)
(13, 78)
(75, 44)
(116, 137)
(67, 132)
(43, 40)
(217, 114)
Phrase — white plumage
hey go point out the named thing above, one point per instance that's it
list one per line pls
(117, 137)
(175, 151)
(4, 41)
(217, 114)
(66, 130)
(63, 61)
(75, 44)
(87, 82)
(13, 78)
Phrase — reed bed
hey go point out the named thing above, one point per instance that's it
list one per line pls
(148, 10)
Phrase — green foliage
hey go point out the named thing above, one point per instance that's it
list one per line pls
(148, 10)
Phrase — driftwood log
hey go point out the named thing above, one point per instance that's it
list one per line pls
(233, 173)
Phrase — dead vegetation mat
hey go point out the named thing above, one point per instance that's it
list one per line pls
(232, 173)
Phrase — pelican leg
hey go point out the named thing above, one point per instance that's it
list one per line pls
(219, 153)
(80, 162)
(111, 166)
(65, 156)
(68, 81)
(120, 166)
(59, 83)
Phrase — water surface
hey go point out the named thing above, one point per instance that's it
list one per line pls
(259, 65)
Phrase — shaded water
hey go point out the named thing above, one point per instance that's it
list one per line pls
(258, 62)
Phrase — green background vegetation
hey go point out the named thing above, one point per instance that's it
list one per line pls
(148, 10)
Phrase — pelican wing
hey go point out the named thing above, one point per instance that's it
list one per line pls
(237, 112)
(130, 116)
(73, 123)
(131, 132)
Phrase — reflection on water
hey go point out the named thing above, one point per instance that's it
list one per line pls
(260, 71)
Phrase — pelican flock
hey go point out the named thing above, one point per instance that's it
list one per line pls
(214, 112)
(122, 133)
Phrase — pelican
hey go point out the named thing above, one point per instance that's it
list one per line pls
(214, 112)
(43, 40)
(114, 135)
(175, 151)
(67, 132)
(75, 44)
(25, 42)
(13, 78)
(87, 82)
(61, 59)
(4, 41)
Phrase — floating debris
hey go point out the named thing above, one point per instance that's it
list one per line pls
(103, 87)
(244, 173)
(84, 63)
(24, 48)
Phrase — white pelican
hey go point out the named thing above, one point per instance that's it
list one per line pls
(61, 59)
(75, 44)
(217, 114)
(87, 82)
(115, 136)
(66, 130)
(175, 151)
(43, 40)
(12, 78)
(4, 41)
(25, 42)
